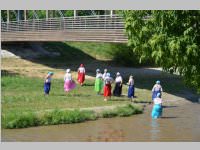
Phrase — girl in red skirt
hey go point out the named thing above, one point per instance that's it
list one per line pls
(81, 74)
(107, 87)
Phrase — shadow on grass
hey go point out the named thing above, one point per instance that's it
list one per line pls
(8, 73)
(71, 57)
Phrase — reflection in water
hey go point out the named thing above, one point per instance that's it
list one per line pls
(154, 129)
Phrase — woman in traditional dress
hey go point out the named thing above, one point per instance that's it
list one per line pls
(104, 76)
(131, 88)
(157, 108)
(107, 87)
(69, 84)
(157, 88)
(81, 74)
(118, 85)
(47, 83)
(98, 82)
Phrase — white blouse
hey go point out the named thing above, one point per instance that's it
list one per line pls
(131, 82)
(67, 76)
(98, 75)
(157, 87)
(118, 79)
(81, 69)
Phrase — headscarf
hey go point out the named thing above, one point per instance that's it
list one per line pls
(68, 71)
(157, 82)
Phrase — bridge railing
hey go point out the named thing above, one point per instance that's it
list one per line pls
(51, 24)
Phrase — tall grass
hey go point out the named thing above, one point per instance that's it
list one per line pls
(58, 116)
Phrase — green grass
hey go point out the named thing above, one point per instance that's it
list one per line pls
(58, 116)
(26, 94)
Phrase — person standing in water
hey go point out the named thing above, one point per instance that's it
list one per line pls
(47, 83)
(118, 85)
(98, 82)
(157, 107)
(81, 74)
(131, 88)
(157, 88)
(69, 84)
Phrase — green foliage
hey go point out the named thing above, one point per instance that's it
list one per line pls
(122, 111)
(170, 38)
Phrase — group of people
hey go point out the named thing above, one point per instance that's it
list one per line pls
(104, 82)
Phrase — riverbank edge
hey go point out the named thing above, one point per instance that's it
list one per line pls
(68, 116)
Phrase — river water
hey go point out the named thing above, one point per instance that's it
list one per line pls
(179, 123)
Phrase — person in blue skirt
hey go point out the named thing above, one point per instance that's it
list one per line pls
(131, 88)
(157, 88)
(47, 83)
(157, 107)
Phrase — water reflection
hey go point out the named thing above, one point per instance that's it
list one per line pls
(155, 129)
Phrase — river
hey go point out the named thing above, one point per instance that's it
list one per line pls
(179, 123)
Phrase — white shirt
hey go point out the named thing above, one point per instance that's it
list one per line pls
(67, 76)
(131, 82)
(104, 76)
(157, 100)
(98, 75)
(118, 79)
(157, 87)
(81, 69)
(108, 80)
(48, 80)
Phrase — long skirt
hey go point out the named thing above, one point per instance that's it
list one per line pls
(154, 94)
(98, 85)
(131, 91)
(107, 90)
(117, 90)
(47, 87)
(156, 111)
(81, 77)
(69, 85)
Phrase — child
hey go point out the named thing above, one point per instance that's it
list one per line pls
(81, 74)
(157, 88)
(131, 90)
(47, 83)
(157, 108)
(118, 85)
(98, 82)
(107, 86)
(69, 84)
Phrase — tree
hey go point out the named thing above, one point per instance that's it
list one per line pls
(171, 38)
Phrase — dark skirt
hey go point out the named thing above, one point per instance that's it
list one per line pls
(154, 94)
(117, 90)
(131, 91)
(47, 87)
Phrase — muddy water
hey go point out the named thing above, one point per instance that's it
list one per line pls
(179, 123)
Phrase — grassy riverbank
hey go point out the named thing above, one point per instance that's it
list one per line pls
(58, 116)
(22, 86)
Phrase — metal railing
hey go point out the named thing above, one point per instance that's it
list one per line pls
(109, 25)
